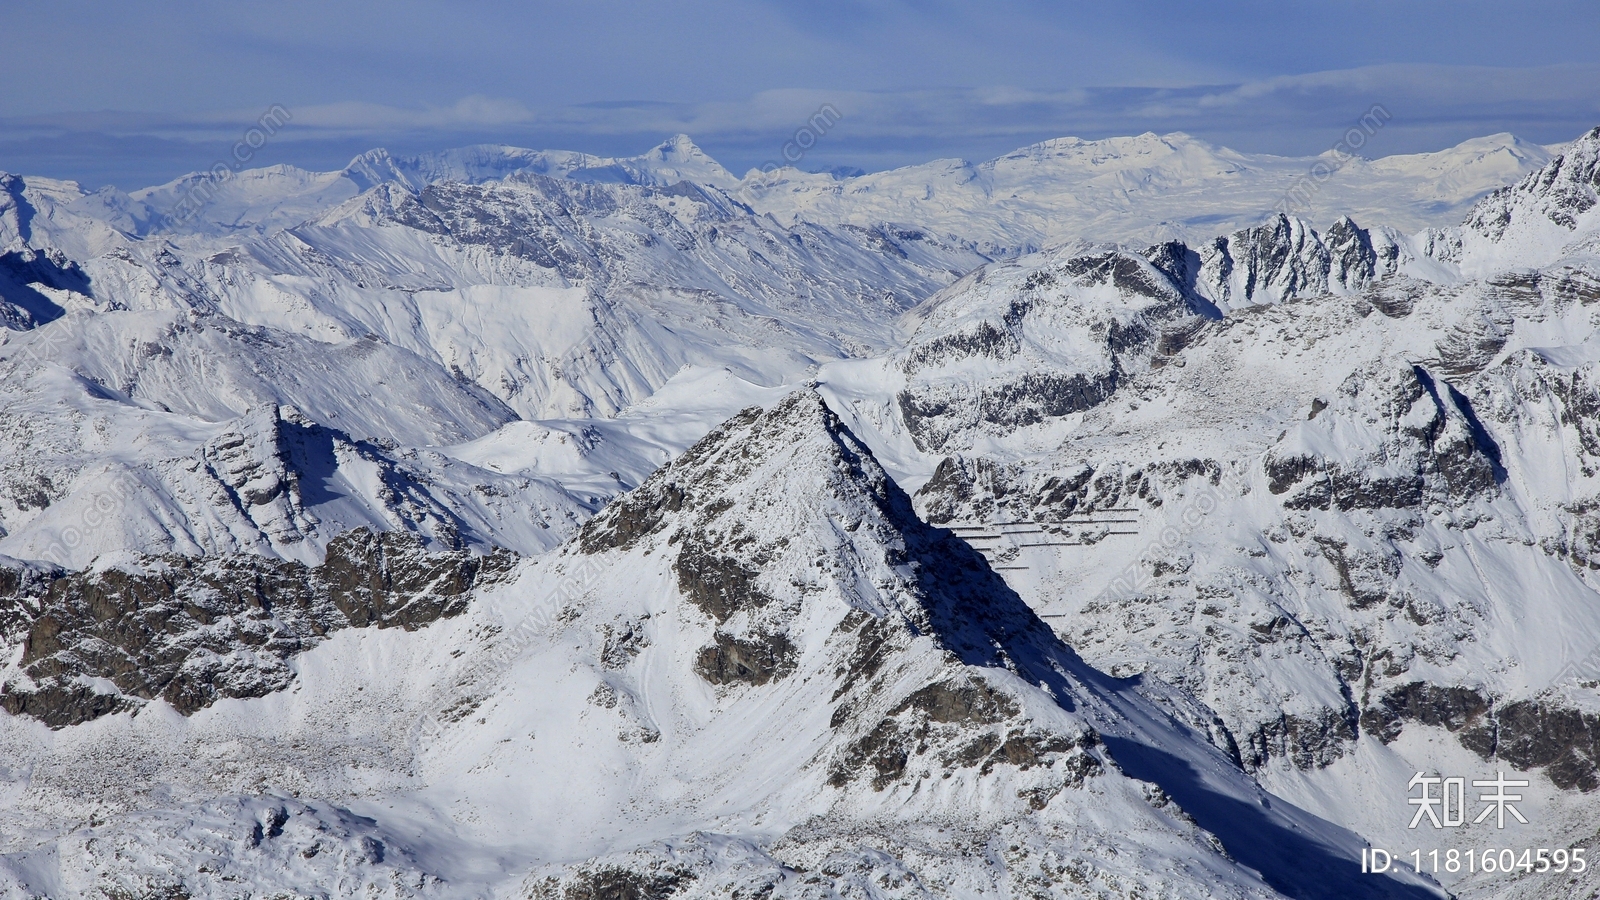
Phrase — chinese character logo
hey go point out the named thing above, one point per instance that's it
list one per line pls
(1451, 802)
(1443, 801)
(1500, 801)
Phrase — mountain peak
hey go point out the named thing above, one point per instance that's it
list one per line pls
(1534, 221)
(798, 451)
(680, 145)
(676, 159)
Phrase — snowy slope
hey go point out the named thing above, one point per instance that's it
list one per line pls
(558, 297)
(871, 711)
(156, 432)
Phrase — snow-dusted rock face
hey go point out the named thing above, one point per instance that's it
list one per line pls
(1548, 214)
(1286, 258)
(1390, 438)
(1019, 344)
(1325, 480)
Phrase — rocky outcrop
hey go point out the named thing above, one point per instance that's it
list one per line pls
(650, 508)
(955, 724)
(1536, 733)
(976, 489)
(1452, 708)
(253, 462)
(1310, 742)
(1028, 400)
(193, 631)
(756, 659)
(1564, 189)
(1388, 439)
(612, 882)
(1014, 347)
(1285, 258)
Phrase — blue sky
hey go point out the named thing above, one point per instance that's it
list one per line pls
(137, 92)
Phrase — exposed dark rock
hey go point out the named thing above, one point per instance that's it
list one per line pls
(966, 702)
(1470, 345)
(614, 883)
(1352, 260)
(1270, 255)
(967, 489)
(954, 721)
(982, 339)
(1574, 285)
(1528, 734)
(933, 419)
(1182, 266)
(193, 631)
(756, 660)
(719, 586)
(876, 637)
(1307, 742)
(645, 510)
(1286, 471)
(886, 749)
(975, 489)
(1452, 708)
(1120, 271)
(387, 579)
(1535, 733)
(622, 643)
(1395, 297)
(633, 517)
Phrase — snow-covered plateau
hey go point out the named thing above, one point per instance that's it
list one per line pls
(1081, 523)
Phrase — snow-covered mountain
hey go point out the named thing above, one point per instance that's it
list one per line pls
(258, 201)
(758, 665)
(501, 523)
(1149, 189)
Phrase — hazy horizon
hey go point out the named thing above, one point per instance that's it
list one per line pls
(912, 81)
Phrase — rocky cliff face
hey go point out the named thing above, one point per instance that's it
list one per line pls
(193, 631)
(1281, 259)
(1393, 438)
(1365, 448)
(1017, 346)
